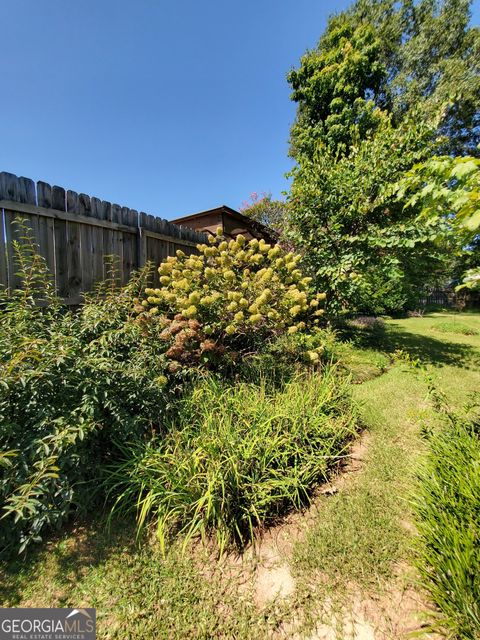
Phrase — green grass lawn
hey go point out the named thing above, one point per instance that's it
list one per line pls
(138, 593)
(357, 540)
(454, 357)
(363, 533)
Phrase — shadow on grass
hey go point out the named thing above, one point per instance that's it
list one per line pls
(432, 350)
(65, 559)
(429, 350)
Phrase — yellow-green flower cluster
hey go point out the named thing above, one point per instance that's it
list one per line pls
(236, 287)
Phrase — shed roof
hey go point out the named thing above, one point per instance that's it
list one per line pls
(221, 209)
(232, 213)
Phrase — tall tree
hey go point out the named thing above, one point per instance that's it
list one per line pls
(375, 98)
(335, 88)
(432, 61)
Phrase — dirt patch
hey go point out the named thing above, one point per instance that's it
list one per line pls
(357, 456)
(393, 615)
(264, 571)
(270, 554)
(272, 581)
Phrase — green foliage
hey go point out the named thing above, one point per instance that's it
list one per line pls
(236, 457)
(363, 248)
(381, 93)
(332, 85)
(431, 60)
(358, 538)
(360, 363)
(403, 57)
(71, 384)
(229, 300)
(446, 187)
(76, 386)
(449, 188)
(197, 599)
(280, 359)
(471, 279)
(448, 520)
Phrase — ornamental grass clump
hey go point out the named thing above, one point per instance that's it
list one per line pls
(229, 299)
(447, 508)
(236, 457)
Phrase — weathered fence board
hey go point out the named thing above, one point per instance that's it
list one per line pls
(97, 242)
(12, 234)
(46, 227)
(3, 252)
(79, 236)
(85, 209)
(59, 203)
(74, 265)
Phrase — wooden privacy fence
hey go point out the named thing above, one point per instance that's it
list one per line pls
(75, 233)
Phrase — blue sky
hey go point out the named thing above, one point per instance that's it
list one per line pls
(166, 107)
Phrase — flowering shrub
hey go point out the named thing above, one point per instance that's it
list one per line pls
(76, 386)
(232, 297)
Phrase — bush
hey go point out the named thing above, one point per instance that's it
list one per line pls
(236, 457)
(77, 386)
(448, 521)
(230, 300)
(281, 357)
(70, 385)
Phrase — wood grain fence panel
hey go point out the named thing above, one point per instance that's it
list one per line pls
(151, 251)
(163, 250)
(44, 195)
(75, 233)
(97, 242)
(61, 242)
(9, 186)
(3, 254)
(117, 242)
(13, 235)
(26, 191)
(46, 226)
(142, 239)
(23, 230)
(155, 248)
(152, 248)
(129, 257)
(133, 217)
(107, 239)
(86, 231)
(74, 261)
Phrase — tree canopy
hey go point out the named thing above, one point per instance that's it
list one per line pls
(389, 85)
(448, 189)
(399, 56)
(264, 209)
